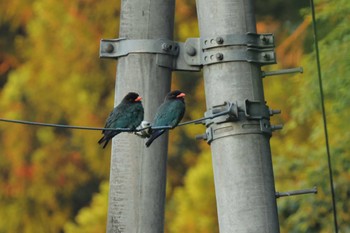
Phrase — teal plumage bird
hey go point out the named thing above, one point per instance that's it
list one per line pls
(128, 114)
(169, 113)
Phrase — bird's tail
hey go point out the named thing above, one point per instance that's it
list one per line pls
(155, 134)
(105, 140)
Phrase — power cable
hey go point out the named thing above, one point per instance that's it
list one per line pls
(197, 121)
(64, 126)
(324, 116)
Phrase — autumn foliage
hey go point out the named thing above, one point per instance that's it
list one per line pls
(56, 180)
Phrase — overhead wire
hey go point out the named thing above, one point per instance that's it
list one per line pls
(65, 126)
(324, 115)
(197, 121)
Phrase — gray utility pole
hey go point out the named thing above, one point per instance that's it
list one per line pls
(238, 120)
(138, 174)
(241, 155)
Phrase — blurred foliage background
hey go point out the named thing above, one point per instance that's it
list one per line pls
(56, 180)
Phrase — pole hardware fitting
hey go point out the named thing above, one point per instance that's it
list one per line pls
(115, 48)
(196, 52)
(163, 48)
(225, 112)
(249, 39)
(255, 110)
(231, 54)
(250, 47)
(274, 112)
(249, 117)
(284, 71)
(297, 192)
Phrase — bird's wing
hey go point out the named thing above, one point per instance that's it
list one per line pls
(160, 119)
(169, 114)
(135, 116)
(178, 109)
(113, 117)
(126, 119)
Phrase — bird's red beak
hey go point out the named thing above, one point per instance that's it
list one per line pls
(138, 99)
(180, 95)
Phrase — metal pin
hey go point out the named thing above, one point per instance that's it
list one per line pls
(285, 71)
(297, 192)
(274, 111)
(202, 137)
(276, 127)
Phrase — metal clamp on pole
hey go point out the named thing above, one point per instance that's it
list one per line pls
(249, 117)
(249, 39)
(214, 114)
(252, 55)
(255, 110)
(196, 52)
(250, 47)
(115, 48)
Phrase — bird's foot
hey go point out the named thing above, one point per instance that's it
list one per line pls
(143, 130)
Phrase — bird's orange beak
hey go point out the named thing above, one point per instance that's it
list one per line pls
(138, 99)
(181, 95)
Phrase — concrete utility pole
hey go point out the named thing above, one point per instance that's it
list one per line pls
(243, 173)
(138, 174)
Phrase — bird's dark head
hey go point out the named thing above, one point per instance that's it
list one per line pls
(175, 95)
(132, 97)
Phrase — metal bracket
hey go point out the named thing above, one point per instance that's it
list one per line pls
(255, 110)
(252, 55)
(214, 115)
(249, 117)
(216, 131)
(249, 39)
(196, 52)
(254, 48)
(115, 48)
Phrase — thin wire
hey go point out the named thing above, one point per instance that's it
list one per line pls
(324, 116)
(111, 129)
(201, 120)
(68, 126)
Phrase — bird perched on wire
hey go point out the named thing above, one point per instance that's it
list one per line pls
(128, 114)
(169, 113)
